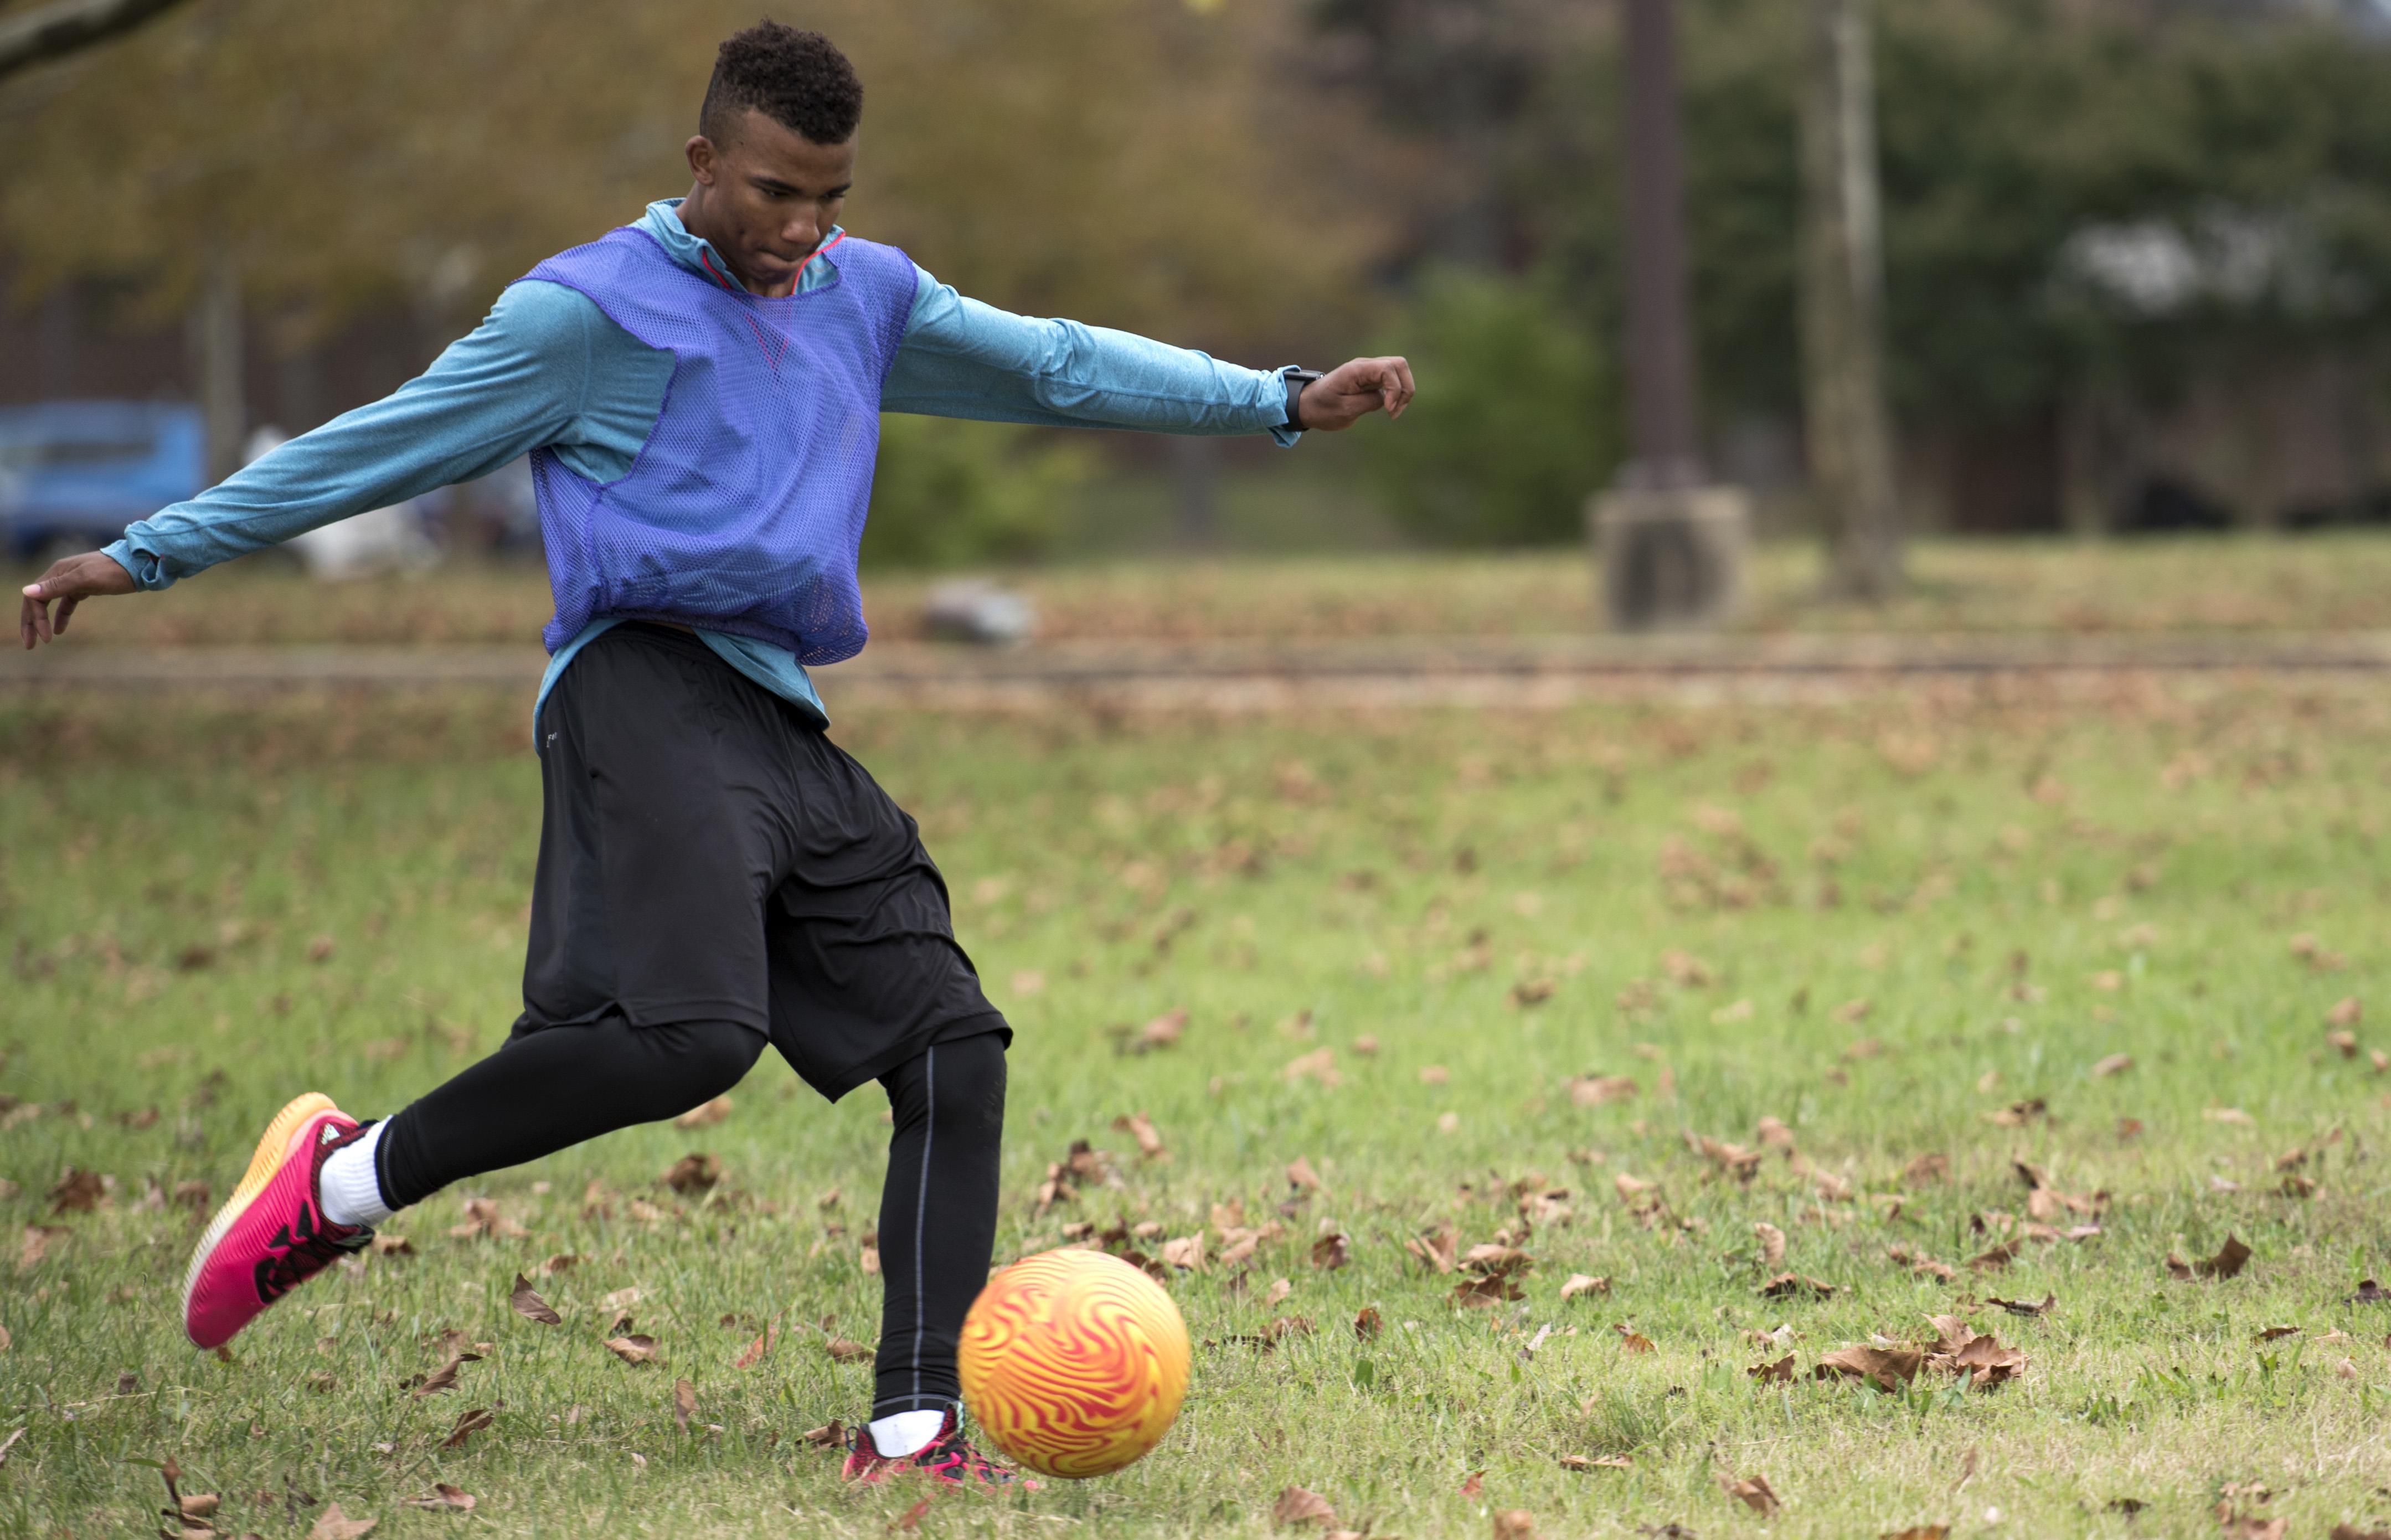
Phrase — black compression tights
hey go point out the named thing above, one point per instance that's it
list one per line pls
(549, 1090)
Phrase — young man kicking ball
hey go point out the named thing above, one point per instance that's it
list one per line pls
(700, 394)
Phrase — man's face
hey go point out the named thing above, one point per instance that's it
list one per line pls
(770, 195)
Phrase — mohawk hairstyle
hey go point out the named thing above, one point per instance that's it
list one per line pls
(797, 79)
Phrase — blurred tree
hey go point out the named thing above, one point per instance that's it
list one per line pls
(36, 35)
(1133, 161)
(1525, 418)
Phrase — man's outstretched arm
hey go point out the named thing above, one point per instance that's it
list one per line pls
(964, 358)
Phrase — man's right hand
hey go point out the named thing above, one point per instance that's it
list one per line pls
(68, 582)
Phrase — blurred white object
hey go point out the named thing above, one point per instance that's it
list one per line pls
(979, 613)
(385, 539)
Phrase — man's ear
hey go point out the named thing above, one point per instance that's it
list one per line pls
(700, 152)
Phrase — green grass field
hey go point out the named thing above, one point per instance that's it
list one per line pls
(1425, 954)
(2243, 583)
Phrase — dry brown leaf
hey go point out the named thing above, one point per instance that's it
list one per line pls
(1927, 1169)
(634, 1349)
(705, 1113)
(1887, 1368)
(443, 1498)
(1494, 1289)
(1634, 1342)
(1753, 1492)
(911, 1518)
(1186, 1253)
(844, 1351)
(2229, 1115)
(1301, 1177)
(1319, 1065)
(1368, 1324)
(1162, 1032)
(529, 1305)
(1781, 1371)
(1473, 1484)
(2025, 1307)
(1584, 1283)
(468, 1424)
(1788, 1285)
(1604, 1462)
(334, 1524)
(1141, 1128)
(1435, 1248)
(1297, 1506)
(2115, 1064)
(1279, 1289)
(694, 1172)
(1330, 1252)
(2346, 1012)
(753, 1353)
(1514, 1524)
(1917, 1531)
(1595, 1090)
(830, 1435)
(684, 1404)
(2230, 1260)
(78, 1192)
(1772, 1243)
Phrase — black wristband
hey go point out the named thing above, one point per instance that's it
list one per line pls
(1296, 380)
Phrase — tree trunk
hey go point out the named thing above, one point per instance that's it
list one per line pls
(218, 333)
(1848, 433)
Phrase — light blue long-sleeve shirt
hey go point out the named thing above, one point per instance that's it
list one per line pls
(548, 369)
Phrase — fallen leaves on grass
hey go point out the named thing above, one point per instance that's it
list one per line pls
(1163, 1031)
(334, 1524)
(444, 1378)
(1437, 1249)
(1473, 1484)
(2369, 1293)
(1979, 1357)
(2229, 1115)
(829, 1435)
(1081, 1166)
(1185, 1253)
(1331, 1252)
(844, 1351)
(1596, 1089)
(684, 1404)
(1141, 1128)
(705, 1113)
(1772, 1243)
(2025, 1307)
(482, 1217)
(694, 1172)
(1753, 1492)
(1301, 1177)
(1514, 1524)
(1319, 1065)
(2228, 1262)
(1368, 1324)
(78, 1192)
(1634, 1342)
(2115, 1064)
(753, 1353)
(529, 1305)
(1597, 1462)
(1477, 1293)
(1780, 1372)
(1584, 1283)
(1298, 1505)
(1926, 1170)
(911, 1518)
(443, 1498)
(1917, 1531)
(1887, 1368)
(2019, 1114)
(632, 1350)
(468, 1424)
(1792, 1285)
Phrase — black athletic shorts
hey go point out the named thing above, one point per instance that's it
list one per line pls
(707, 854)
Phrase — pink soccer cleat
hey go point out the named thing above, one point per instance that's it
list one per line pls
(270, 1235)
(948, 1457)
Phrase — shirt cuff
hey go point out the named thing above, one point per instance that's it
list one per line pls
(148, 573)
(1283, 433)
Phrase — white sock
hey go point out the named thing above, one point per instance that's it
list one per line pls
(348, 1185)
(903, 1433)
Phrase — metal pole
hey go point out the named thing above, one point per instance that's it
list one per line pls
(1660, 347)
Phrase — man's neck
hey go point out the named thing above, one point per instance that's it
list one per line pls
(693, 213)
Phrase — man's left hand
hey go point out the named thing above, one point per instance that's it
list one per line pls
(1351, 391)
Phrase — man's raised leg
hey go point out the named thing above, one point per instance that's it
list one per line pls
(320, 1181)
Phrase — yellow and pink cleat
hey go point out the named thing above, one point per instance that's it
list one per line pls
(271, 1235)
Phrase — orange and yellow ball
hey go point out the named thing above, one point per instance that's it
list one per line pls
(1074, 1363)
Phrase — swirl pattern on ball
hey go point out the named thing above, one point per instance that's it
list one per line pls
(1074, 1363)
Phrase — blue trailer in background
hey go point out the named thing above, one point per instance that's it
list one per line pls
(73, 473)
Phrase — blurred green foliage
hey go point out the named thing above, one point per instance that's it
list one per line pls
(951, 494)
(1516, 420)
